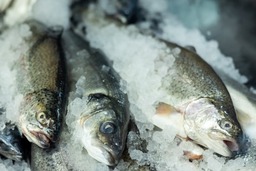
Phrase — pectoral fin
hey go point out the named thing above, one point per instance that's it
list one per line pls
(167, 117)
(165, 109)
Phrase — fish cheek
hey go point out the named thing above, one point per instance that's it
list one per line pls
(216, 135)
(30, 107)
(28, 114)
(104, 138)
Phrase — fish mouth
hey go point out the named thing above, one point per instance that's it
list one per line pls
(12, 154)
(38, 137)
(232, 145)
(9, 150)
(227, 147)
(42, 139)
(102, 153)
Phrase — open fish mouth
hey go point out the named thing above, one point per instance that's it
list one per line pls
(227, 147)
(41, 139)
(232, 145)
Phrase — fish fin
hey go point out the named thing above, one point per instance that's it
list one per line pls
(165, 109)
(192, 156)
(191, 150)
(191, 48)
(167, 117)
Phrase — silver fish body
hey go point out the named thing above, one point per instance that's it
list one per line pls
(41, 81)
(105, 117)
(196, 91)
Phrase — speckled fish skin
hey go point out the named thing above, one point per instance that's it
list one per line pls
(41, 81)
(105, 118)
(205, 102)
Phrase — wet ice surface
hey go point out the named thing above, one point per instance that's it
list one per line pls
(139, 59)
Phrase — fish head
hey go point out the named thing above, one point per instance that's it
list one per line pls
(104, 132)
(104, 138)
(213, 127)
(11, 150)
(39, 119)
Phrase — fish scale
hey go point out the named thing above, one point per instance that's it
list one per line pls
(106, 104)
(41, 81)
(200, 100)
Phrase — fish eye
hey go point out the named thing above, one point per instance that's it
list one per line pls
(108, 128)
(41, 117)
(226, 125)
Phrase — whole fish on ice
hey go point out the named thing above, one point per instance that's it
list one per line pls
(105, 116)
(200, 106)
(41, 81)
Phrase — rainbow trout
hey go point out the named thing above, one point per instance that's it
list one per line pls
(200, 106)
(41, 81)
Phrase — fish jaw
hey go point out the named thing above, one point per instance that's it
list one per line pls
(10, 151)
(220, 146)
(201, 124)
(36, 135)
(13, 155)
(105, 148)
(100, 152)
(41, 139)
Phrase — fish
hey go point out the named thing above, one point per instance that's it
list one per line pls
(105, 117)
(41, 82)
(12, 145)
(244, 103)
(199, 107)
